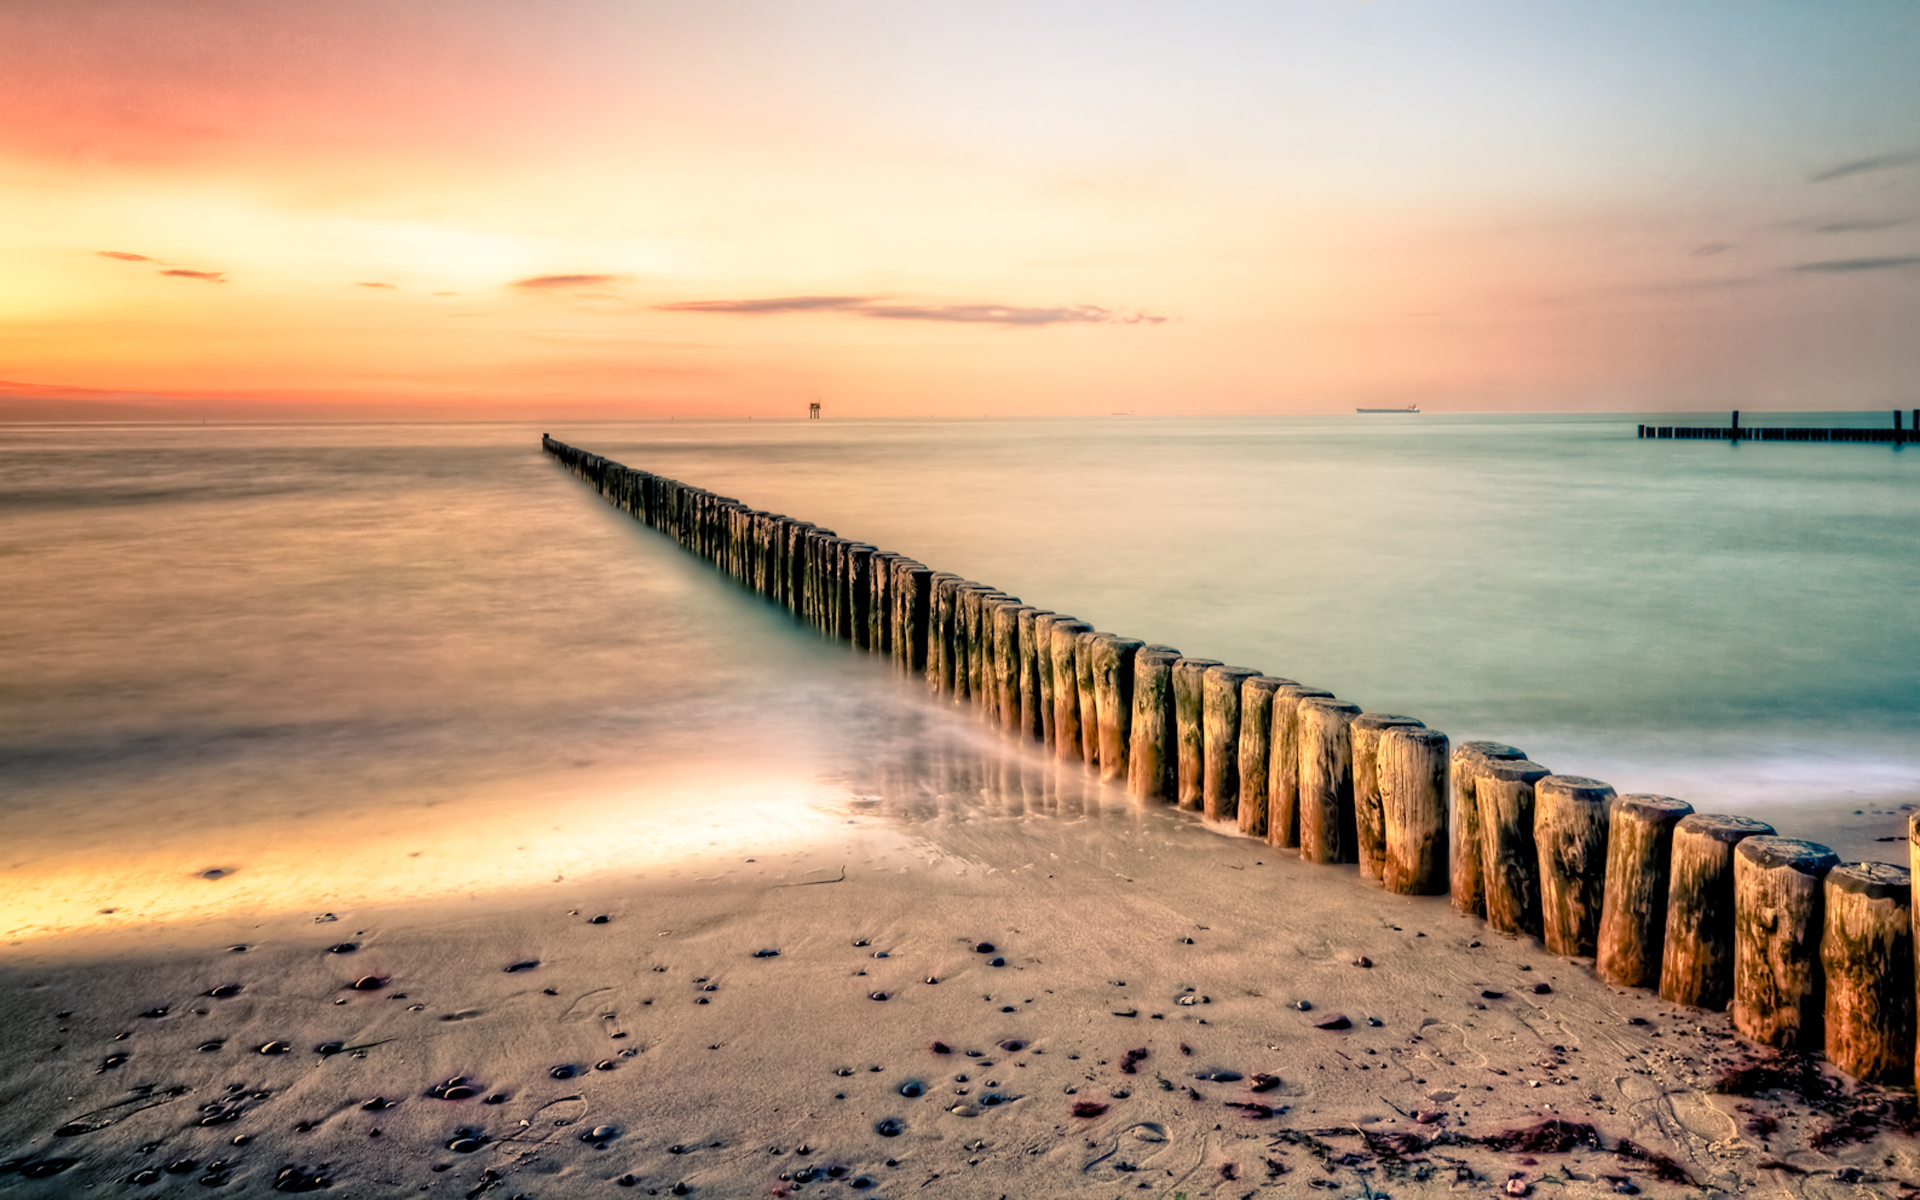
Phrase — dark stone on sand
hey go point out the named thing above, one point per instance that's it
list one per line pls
(1088, 1108)
(113, 1060)
(180, 1166)
(241, 949)
(381, 1103)
(766, 954)
(1541, 989)
(876, 995)
(602, 919)
(1007, 1008)
(300, 1179)
(368, 983)
(527, 965)
(1491, 994)
(1131, 1012)
(146, 1175)
(329, 1048)
(1013, 1047)
(496, 1098)
(1220, 1076)
(343, 948)
(984, 948)
(997, 962)
(564, 1071)
(224, 991)
(465, 1144)
(210, 1047)
(626, 1181)
(275, 1048)
(1374, 1021)
(46, 1168)
(213, 873)
(600, 1134)
(890, 1128)
(1303, 1005)
(605, 1064)
(154, 1014)
(1363, 961)
(912, 1088)
(1336, 1021)
(933, 979)
(1264, 1083)
(941, 1048)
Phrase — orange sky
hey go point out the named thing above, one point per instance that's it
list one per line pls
(479, 208)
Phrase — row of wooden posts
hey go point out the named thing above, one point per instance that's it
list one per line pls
(1711, 911)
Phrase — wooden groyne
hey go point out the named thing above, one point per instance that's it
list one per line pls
(1713, 911)
(1897, 435)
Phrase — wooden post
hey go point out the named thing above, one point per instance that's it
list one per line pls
(1043, 654)
(1369, 822)
(1778, 898)
(1113, 700)
(1066, 687)
(1866, 953)
(1503, 795)
(915, 605)
(1032, 727)
(1283, 764)
(1189, 736)
(1469, 876)
(1220, 741)
(879, 604)
(1633, 913)
(1009, 618)
(1410, 764)
(1089, 706)
(942, 621)
(1152, 749)
(857, 626)
(1571, 817)
(1696, 952)
(1326, 779)
(1256, 751)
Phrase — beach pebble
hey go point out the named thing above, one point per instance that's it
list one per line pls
(876, 995)
(602, 919)
(1374, 1022)
(379, 1104)
(275, 1048)
(1088, 1108)
(964, 1110)
(941, 1048)
(180, 1166)
(368, 983)
(210, 1047)
(300, 1179)
(766, 954)
(524, 965)
(329, 1048)
(1518, 1186)
(983, 948)
(1363, 961)
(224, 991)
(605, 1064)
(1336, 1021)
(496, 1098)
(1541, 989)
(889, 1128)
(343, 948)
(323, 918)
(465, 1144)
(1303, 1005)
(563, 1071)
(154, 1014)
(933, 979)
(599, 1133)
(147, 1175)
(1491, 994)
(112, 1061)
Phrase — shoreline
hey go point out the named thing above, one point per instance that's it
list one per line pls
(1097, 909)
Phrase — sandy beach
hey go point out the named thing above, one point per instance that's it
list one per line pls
(998, 980)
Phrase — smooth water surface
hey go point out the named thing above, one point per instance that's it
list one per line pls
(418, 656)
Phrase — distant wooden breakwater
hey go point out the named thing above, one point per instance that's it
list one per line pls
(1718, 912)
(1898, 435)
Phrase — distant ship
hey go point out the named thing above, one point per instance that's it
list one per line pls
(1408, 408)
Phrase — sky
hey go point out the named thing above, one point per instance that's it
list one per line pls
(911, 208)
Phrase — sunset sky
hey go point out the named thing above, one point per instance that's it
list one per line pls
(911, 207)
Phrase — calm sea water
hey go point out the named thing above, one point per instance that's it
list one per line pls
(243, 649)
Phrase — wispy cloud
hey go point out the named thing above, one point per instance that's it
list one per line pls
(1860, 166)
(1710, 249)
(778, 304)
(209, 276)
(558, 283)
(1888, 262)
(124, 256)
(371, 284)
(877, 308)
(1859, 225)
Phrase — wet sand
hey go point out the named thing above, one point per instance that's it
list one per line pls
(993, 978)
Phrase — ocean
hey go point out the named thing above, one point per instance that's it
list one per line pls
(293, 666)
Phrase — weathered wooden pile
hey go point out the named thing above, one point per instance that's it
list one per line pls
(1712, 911)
